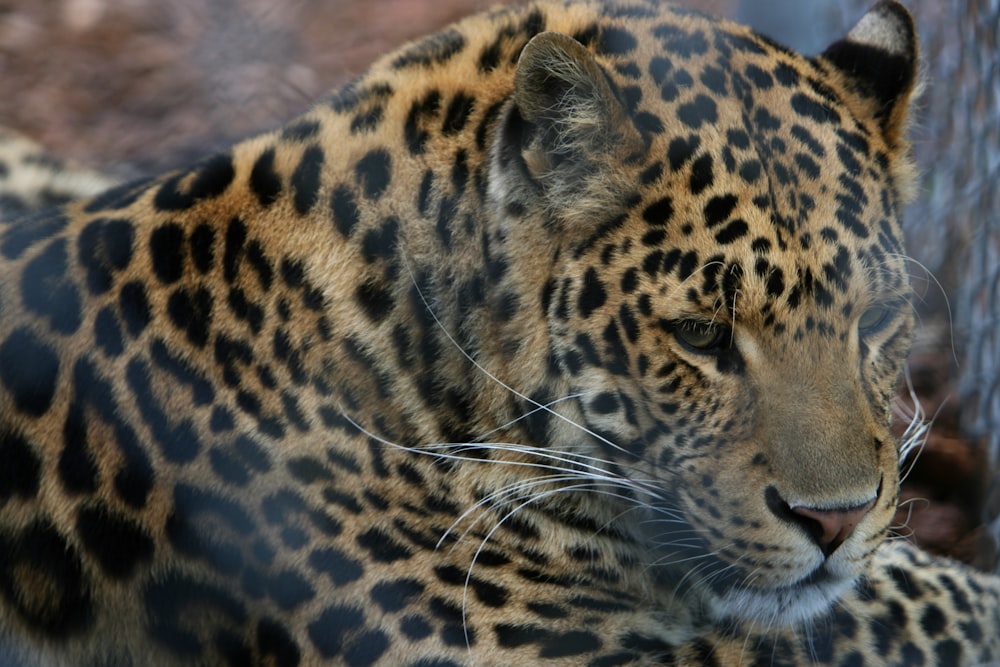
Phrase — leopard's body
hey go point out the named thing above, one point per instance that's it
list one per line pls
(566, 336)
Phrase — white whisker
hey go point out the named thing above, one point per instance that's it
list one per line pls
(944, 294)
(494, 378)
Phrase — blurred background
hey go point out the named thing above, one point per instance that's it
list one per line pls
(132, 86)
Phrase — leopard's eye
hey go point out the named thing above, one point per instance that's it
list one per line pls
(702, 336)
(873, 320)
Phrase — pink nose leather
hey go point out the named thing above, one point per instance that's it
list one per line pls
(833, 527)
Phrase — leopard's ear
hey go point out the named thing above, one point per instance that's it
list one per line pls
(879, 59)
(566, 128)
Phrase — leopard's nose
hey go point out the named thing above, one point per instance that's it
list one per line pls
(831, 528)
(828, 527)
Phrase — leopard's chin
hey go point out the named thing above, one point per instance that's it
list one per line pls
(792, 605)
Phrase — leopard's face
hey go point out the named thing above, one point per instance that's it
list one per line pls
(733, 325)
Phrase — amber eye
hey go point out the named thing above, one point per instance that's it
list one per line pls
(873, 320)
(701, 336)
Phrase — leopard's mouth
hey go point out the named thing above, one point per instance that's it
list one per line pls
(729, 593)
(734, 589)
(818, 577)
(822, 575)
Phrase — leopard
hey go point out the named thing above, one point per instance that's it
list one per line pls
(567, 335)
(32, 177)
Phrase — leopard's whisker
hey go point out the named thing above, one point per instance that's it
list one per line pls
(493, 378)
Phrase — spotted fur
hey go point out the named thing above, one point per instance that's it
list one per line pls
(566, 336)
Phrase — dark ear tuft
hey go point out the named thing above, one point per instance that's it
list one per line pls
(879, 58)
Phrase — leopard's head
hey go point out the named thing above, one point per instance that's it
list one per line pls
(711, 223)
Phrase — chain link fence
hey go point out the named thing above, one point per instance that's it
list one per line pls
(966, 199)
(955, 225)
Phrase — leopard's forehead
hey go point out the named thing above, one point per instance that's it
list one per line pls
(792, 207)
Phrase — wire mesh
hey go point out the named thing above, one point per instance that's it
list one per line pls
(968, 201)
